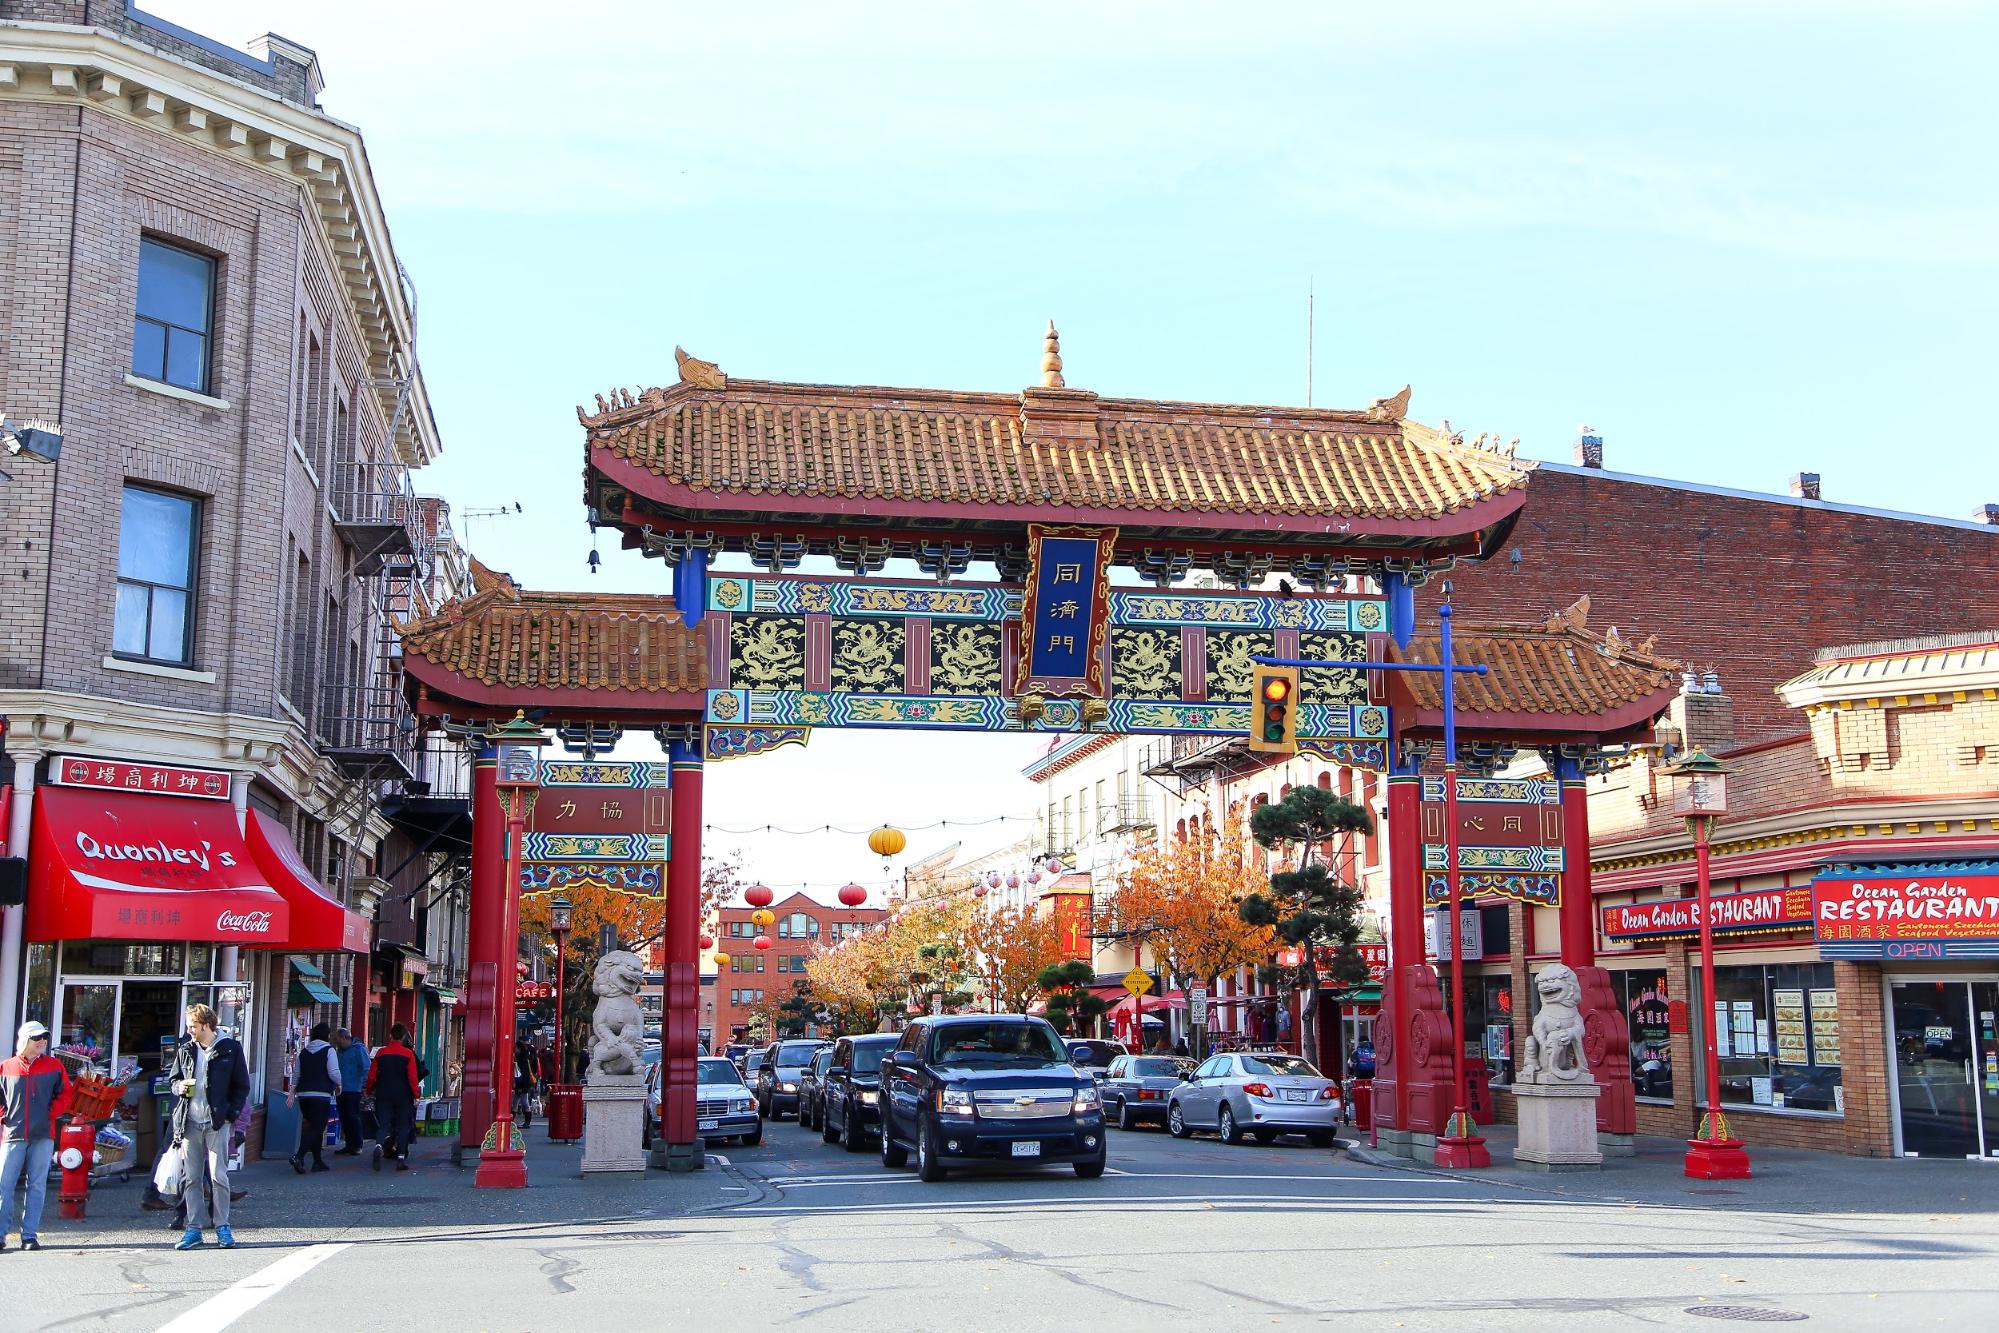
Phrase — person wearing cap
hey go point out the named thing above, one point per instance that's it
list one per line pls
(34, 1094)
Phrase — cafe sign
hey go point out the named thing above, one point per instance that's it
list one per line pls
(1915, 911)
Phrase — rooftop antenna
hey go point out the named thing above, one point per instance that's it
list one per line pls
(495, 511)
(1309, 312)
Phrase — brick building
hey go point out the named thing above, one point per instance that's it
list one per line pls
(199, 289)
(753, 979)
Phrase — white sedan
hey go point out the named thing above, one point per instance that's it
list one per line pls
(1255, 1094)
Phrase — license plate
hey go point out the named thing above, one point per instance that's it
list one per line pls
(1294, 1094)
(1027, 1150)
(706, 1124)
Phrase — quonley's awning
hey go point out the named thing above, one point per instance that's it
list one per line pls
(120, 865)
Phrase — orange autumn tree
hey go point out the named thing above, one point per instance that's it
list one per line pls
(1182, 899)
(1010, 946)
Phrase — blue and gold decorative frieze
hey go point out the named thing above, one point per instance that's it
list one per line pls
(719, 743)
(1536, 890)
(595, 846)
(1534, 860)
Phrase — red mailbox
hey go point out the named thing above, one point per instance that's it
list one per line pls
(1362, 1091)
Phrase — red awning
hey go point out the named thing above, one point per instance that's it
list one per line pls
(123, 866)
(319, 923)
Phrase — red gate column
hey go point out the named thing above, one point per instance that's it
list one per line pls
(1405, 950)
(678, 1146)
(486, 952)
(1606, 1030)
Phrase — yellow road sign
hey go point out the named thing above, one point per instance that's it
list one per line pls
(1137, 982)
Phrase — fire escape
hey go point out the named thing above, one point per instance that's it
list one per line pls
(1183, 764)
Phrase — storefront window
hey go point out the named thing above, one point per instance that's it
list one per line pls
(118, 958)
(90, 1022)
(1647, 1014)
(1777, 1033)
(41, 996)
(200, 962)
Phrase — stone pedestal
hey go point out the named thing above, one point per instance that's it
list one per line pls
(1558, 1126)
(613, 1121)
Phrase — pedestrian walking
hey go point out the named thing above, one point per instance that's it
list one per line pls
(316, 1084)
(353, 1060)
(34, 1093)
(394, 1083)
(211, 1086)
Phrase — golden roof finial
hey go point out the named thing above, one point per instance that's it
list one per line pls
(1051, 359)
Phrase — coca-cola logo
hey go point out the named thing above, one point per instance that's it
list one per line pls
(244, 923)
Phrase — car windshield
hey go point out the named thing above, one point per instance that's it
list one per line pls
(716, 1071)
(1012, 1044)
(1159, 1067)
(1279, 1064)
(868, 1056)
(753, 1062)
(794, 1054)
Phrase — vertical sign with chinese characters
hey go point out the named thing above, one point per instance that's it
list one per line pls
(1509, 839)
(1065, 613)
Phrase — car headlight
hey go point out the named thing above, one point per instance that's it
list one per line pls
(954, 1101)
(791, 1087)
(740, 1105)
(1088, 1099)
(868, 1098)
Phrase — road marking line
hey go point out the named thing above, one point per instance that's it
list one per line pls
(1358, 1203)
(227, 1306)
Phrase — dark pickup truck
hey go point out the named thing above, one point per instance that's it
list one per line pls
(988, 1090)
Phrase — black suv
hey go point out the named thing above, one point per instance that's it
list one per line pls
(973, 1090)
(849, 1098)
(776, 1080)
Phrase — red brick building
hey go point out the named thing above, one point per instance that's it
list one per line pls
(754, 979)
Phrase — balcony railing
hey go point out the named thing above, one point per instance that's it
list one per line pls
(377, 513)
(368, 731)
(443, 770)
(1129, 815)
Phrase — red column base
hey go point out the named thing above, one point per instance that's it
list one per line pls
(1716, 1159)
(502, 1168)
(1462, 1153)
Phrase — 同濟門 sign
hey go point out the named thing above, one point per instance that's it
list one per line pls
(154, 779)
(1066, 611)
(1762, 909)
(1917, 911)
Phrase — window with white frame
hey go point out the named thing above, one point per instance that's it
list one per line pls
(159, 540)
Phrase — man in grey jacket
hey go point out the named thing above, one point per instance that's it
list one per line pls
(211, 1082)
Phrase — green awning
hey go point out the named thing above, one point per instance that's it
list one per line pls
(307, 992)
(1361, 995)
(305, 967)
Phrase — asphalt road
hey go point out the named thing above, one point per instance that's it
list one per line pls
(1177, 1231)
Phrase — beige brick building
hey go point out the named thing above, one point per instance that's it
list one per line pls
(199, 287)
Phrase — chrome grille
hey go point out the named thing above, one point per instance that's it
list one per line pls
(712, 1106)
(1040, 1105)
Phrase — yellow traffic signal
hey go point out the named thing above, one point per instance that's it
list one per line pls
(1273, 710)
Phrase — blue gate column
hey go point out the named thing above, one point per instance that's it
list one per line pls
(678, 1144)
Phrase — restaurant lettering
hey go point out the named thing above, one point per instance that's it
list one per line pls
(1762, 909)
(160, 852)
(1904, 907)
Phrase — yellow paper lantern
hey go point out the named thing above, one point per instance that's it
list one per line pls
(762, 916)
(886, 842)
(721, 960)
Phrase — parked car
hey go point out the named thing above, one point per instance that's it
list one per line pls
(968, 1090)
(776, 1079)
(1135, 1088)
(850, 1098)
(723, 1107)
(811, 1084)
(1093, 1053)
(1260, 1094)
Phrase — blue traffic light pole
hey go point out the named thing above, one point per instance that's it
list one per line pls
(1460, 1145)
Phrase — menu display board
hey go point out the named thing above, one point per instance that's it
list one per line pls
(1825, 1027)
(1792, 1047)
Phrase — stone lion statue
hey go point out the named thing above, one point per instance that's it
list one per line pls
(617, 1026)
(1555, 1046)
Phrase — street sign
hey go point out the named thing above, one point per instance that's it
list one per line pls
(1137, 982)
(1197, 1006)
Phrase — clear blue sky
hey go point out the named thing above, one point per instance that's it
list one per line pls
(1743, 240)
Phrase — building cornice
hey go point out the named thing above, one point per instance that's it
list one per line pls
(1930, 819)
(55, 63)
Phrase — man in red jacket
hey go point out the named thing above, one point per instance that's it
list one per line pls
(34, 1094)
(395, 1084)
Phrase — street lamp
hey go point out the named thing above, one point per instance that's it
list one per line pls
(503, 1156)
(1703, 798)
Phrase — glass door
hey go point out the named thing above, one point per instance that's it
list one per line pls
(87, 1021)
(1935, 1058)
(1985, 1018)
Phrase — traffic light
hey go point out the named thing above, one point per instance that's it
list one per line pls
(1273, 710)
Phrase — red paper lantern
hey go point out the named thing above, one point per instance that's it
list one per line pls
(979, 892)
(853, 895)
(758, 896)
(761, 943)
(520, 969)
(1054, 866)
(706, 941)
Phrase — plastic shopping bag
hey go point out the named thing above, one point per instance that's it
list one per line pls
(170, 1172)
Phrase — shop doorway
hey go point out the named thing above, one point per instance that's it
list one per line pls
(1946, 1052)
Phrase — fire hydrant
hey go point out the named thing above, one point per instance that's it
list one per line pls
(76, 1151)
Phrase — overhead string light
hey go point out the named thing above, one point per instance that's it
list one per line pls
(865, 828)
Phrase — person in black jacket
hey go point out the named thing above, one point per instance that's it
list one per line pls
(210, 1082)
(314, 1087)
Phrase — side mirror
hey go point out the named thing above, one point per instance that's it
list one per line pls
(1186, 1076)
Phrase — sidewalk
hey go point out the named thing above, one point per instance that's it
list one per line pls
(354, 1202)
(1787, 1179)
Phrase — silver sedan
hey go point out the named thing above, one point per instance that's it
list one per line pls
(1256, 1095)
